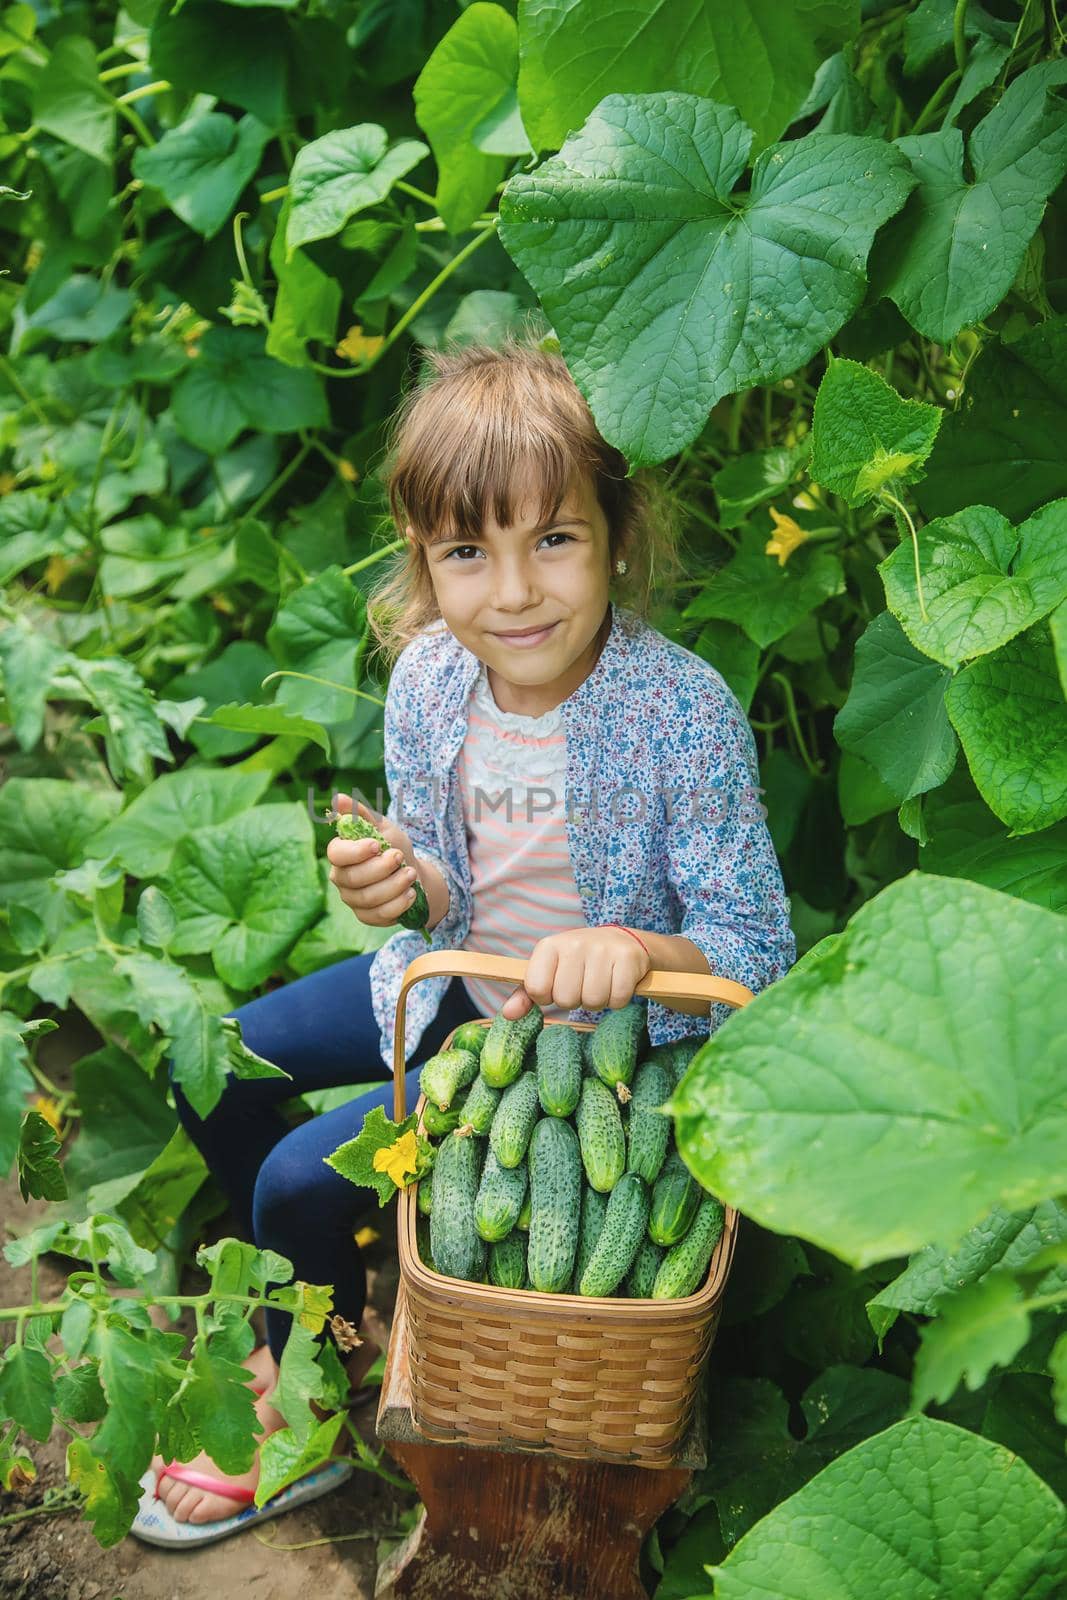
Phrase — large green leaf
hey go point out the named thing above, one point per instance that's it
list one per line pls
(967, 841)
(71, 102)
(306, 304)
(16, 1083)
(134, 738)
(1003, 447)
(234, 384)
(891, 1091)
(979, 1328)
(244, 890)
(45, 827)
(894, 717)
(1010, 714)
(318, 631)
(951, 255)
(195, 50)
(748, 480)
(763, 597)
(201, 166)
(125, 1119)
(865, 435)
(924, 1509)
(472, 68)
(40, 1174)
(757, 56)
(28, 661)
(221, 1407)
(983, 581)
(666, 286)
(1006, 1240)
(26, 1390)
(340, 174)
(235, 674)
(142, 553)
(177, 804)
(269, 719)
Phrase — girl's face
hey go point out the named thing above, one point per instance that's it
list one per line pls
(547, 583)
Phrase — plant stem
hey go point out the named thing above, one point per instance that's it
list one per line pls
(379, 555)
(55, 1508)
(131, 95)
(277, 483)
(902, 508)
(815, 768)
(327, 683)
(416, 194)
(959, 34)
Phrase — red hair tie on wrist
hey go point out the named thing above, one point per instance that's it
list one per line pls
(632, 934)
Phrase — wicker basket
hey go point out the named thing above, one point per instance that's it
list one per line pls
(603, 1378)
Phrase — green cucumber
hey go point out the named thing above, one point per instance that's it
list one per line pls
(479, 1108)
(507, 1262)
(437, 1122)
(559, 1069)
(445, 1074)
(617, 1041)
(603, 1143)
(648, 1128)
(498, 1202)
(555, 1204)
(422, 1239)
(643, 1269)
(417, 914)
(594, 1208)
(624, 1227)
(505, 1047)
(677, 1055)
(675, 1200)
(469, 1036)
(518, 1111)
(424, 1195)
(685, 1266)
(458, 1248)
(523, 1220)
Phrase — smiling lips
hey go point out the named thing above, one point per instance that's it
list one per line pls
(528, 637)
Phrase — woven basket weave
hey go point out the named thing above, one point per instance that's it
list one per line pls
(610, 1379)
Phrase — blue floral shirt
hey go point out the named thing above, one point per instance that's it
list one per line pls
(664, 824)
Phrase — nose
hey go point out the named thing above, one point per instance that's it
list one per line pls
(513, 589)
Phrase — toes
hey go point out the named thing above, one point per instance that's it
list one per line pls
(213, 1508)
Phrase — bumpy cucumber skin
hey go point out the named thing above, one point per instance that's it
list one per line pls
(600, 1133)
(422, 1239)
(479, 1108)
(424, 1195)
(642, 1274)
(555, 1196)
(505, 1047)
(677, 1055)
(587, 1052)
(620, 1237)
(498, 1202)
(516, 1115)
(418, 913)
(445, 1074)
(685, 1265)
(559, 1069)
(675, 1201)
(458, 1249)
(648, 1128)
(594, 1210)
(507, 1262)
(469, 1036)
(618, 1039)
(437, 1122)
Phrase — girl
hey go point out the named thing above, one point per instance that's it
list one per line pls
(567, 785)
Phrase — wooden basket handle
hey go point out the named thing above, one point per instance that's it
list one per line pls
(654, 985)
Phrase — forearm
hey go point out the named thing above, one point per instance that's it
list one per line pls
(437, 891)
(671, 952)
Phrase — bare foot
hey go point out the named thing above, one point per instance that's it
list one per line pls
(189, 1504)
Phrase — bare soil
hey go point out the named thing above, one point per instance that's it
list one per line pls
(341, 1538)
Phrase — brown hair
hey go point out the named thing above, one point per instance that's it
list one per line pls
(475, 418)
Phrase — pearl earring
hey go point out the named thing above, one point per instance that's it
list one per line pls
(620, 566)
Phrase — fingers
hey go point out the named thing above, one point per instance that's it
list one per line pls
(516, 1005)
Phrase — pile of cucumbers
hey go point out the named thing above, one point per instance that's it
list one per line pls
(554, 1169)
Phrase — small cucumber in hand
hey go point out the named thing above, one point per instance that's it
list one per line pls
(356, 827)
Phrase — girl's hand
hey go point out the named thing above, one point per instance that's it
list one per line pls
(378, 887)
(595, 968)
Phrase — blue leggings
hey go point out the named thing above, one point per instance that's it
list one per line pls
(321, 1030)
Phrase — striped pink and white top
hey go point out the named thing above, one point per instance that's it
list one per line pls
(512, 775)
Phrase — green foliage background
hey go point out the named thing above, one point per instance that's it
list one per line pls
(816, 265)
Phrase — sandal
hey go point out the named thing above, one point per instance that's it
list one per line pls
(154, 1524)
